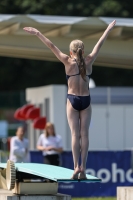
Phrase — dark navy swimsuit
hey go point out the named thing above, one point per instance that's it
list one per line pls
(78, 102)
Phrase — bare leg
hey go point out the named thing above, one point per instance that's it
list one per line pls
(85, 117)
(73, 121)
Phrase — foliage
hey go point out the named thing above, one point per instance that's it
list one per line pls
(115, 8)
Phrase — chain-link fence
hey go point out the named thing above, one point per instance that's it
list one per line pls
(12, 99)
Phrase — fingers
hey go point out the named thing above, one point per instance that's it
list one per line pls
(111, 25)
(26, 29)
(113, 22)
(30, 30)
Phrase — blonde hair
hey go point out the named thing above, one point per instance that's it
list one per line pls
(48, 125)
(77, 47)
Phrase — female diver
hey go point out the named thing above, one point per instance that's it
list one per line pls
(77, 70)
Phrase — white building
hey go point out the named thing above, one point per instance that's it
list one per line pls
(111, 126)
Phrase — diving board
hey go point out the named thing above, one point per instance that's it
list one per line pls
(40, 174)
(50, 172)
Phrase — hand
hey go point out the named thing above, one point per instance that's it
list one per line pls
(50, 148)
(31, 30)
(111, 25)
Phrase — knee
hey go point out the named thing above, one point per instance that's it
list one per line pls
(84, 133)
(75, 134)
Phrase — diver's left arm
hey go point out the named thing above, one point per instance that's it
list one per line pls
(93, 55)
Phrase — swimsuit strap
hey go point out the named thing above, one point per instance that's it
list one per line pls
(68, 76)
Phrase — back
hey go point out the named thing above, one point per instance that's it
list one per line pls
(76, 84)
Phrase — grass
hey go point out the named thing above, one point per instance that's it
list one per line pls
(98, 198)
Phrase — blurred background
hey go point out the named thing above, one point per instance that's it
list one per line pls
(30, 74)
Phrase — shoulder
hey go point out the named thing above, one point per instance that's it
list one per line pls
(67, 58)
(69, 62)
(58, 137)
(42, 136)
(14, 138)
(88, 59)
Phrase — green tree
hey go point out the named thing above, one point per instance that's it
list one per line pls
(116, 8)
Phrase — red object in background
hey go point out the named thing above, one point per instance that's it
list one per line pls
(24, 109)
(20, 113)
(39, 123)
(33, 113)
(18, 116)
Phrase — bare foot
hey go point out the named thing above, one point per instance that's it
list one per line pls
(82, 174)
(76, 173)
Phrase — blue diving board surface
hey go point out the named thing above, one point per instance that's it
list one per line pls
(54, 173)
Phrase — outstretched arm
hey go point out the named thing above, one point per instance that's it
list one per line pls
(93, 55)
(61, 56)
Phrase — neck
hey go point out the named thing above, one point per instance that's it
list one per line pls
(21, 138)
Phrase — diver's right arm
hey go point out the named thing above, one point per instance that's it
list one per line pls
(61, 56)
